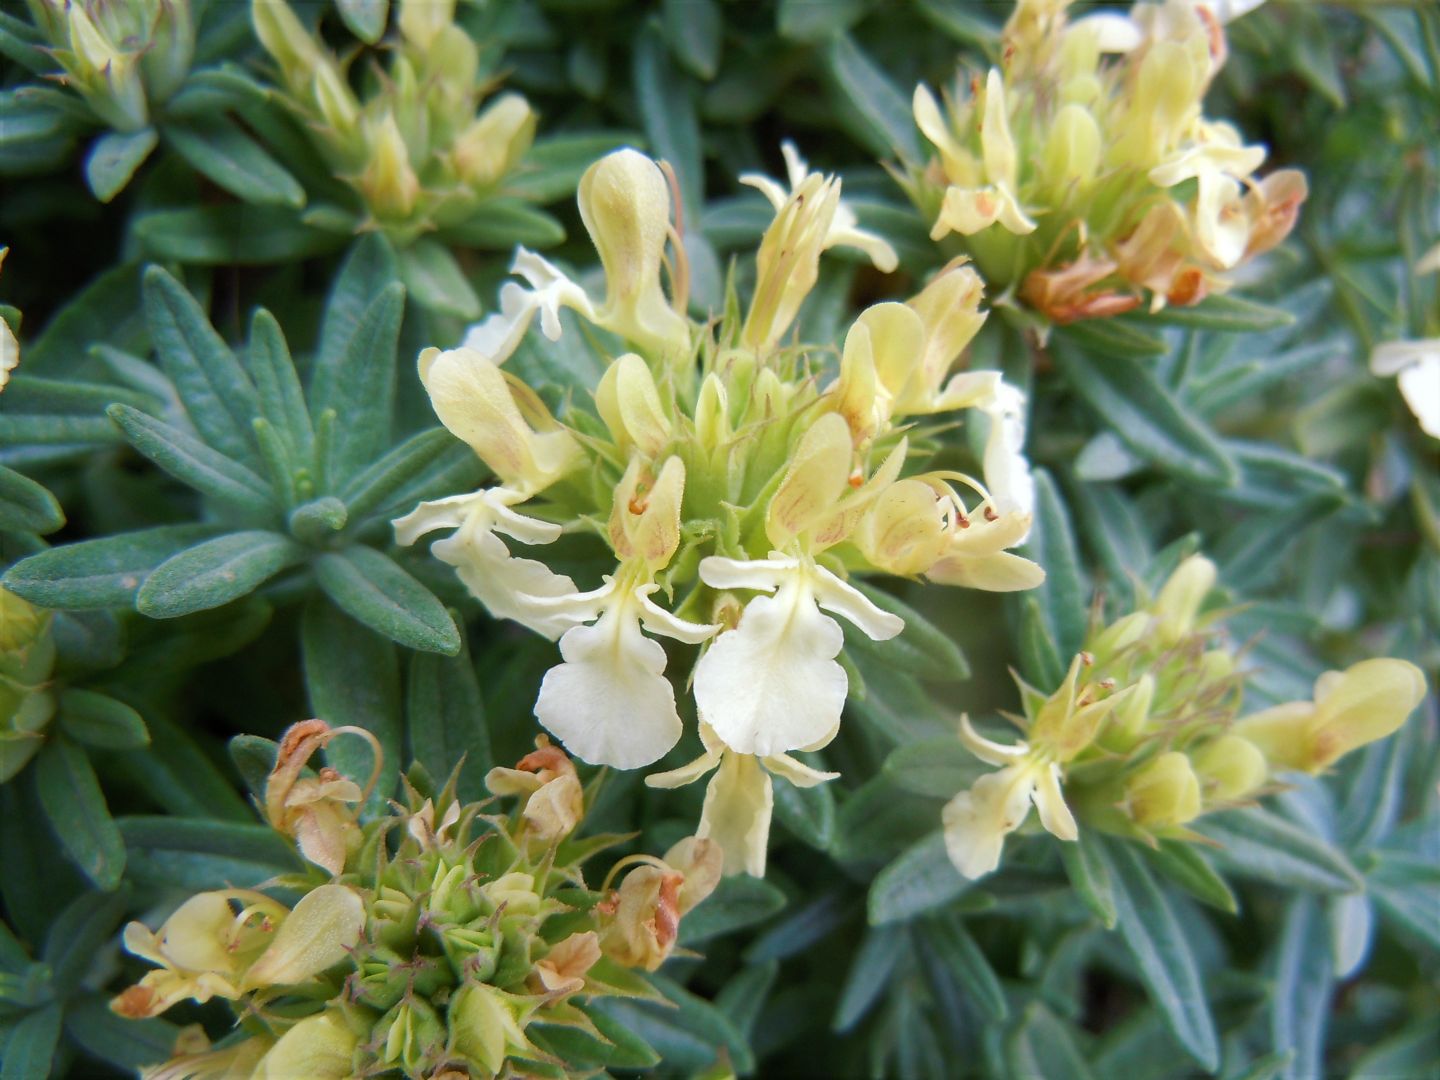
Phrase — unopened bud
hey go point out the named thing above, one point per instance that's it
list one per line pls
(320, 1047)
(487, 1025)
(388, 181)
(1165, 793)
(287, 41)
(788, 262)
(494, 144)
(1181, 597)
(318, 934)
(1073, 148)
(421, 20)
(630, 405)
(1229, 768)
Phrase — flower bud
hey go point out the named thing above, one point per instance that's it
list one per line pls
(472, 398)
(645, 519)
(287, 41)
(388, 181)
(1112, 642)
(414, 1035)
(494, 144)
(169, 50)
(625, 205)
(788, 262)
(487, 1025)
(422, 20)
(318, 934)
(1181, 597)
(712, 414)
(1165, 793)
(337, 104)
(107, 73)
(319, 1047)
(1072, 148)
(515, 892)
(1229, 768)
(1131, 715)
(630, 405)
(815, 480)
(949, 308)
(903, 532)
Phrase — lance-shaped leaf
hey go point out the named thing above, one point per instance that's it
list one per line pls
(25, 506)
(99, 573)
(883, 121)
(218, 148)
(277, 386)
(360, 386)
(445, 717)
(370, 588)
(215, 572)
(81, 821)
(190, 461)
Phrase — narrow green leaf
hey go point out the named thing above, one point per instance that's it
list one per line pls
(1043, 1045)
(360, 385)
(216, 572)
(883, 112)
(196, 854)
(921, 879)
(353, 677)
(743, 998)
(218, 395)
(1064, 597)
(1040, 660)
(808, 813)
(809, 22)
(370, 488)
(101, 573)
(370, 588)
(1147, 418)
(277, 386)
(113, 159)
(445, 718)
(1089, 873)
(1255, 551)
(29, 1046)
(78, 815)
(1258, 844)
(737, 902)
(630, 1051)
(880, 820)
(118, 1040)
(1183, 864)
(689, 1033)
(231, 235)
(803, 928)
(101, 721)
(502, 223)
(365, 18)
(254, 757)
(78, 934)
(1412, 1051)
(922, 647)
(940, 768)
(869, 975)
(667, 107)
(1162, 952)
(955, 947)
(1109, 339)
(25, 506)
(190, 461)
(1304, 981)
(1225, 312)
(696, 32)
(218, 148)
(435, 280)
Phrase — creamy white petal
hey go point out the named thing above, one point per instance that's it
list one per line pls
(845, 231)
(797, 772)
(738, 804)
(509, 586)
(1050, 804)
(1393, 357)
(685, 774)
(967, 389)
(772, 684)
(977, 821)
(1420, 385)
(774, 194)
(833, 594)
(527, 530)
(659, 621)
(1007, 469)
(552, 290)
(987, 750)
(447, 513)
(1114, 33)
(497, 336)
(971, 210)
(999, 571)
(609, 702)
(764, 575)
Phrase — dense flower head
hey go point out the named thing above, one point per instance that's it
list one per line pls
(448, 941)
(736, 483)
(124, 59)
(1146, 732)
(1082, 175)
(416, 147)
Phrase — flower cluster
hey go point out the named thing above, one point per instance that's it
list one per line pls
(730, 477)
(27, 654)
(414, 150)
(124, 59)
(442, 941)
(1082, 175)
(1145, 734)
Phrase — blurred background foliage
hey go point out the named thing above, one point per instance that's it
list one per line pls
(1249, 427)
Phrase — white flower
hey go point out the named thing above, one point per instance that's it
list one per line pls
(510, 587)
(977, 821)
(1007, 469)
(609, 702)
(9, 347)
(772, 684)
(844, 230)
(739, 799)
(498, 336)
(1416, 364)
